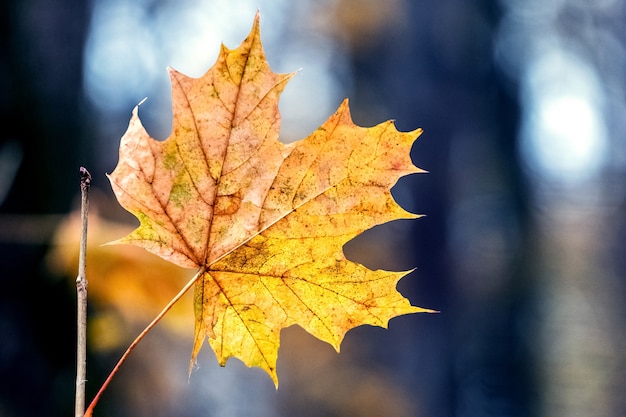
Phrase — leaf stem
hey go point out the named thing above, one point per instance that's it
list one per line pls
(135, 342)
(81, 294)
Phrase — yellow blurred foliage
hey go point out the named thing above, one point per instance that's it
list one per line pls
(127, 285)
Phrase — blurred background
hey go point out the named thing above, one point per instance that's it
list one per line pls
(523, 249)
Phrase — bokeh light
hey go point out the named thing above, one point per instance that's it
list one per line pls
(130, 44)
(564, 136)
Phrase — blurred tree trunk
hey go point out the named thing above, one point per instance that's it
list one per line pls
(471, 250)
(41, 46)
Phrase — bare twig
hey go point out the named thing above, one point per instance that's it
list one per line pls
(131, 347)
(81, 292)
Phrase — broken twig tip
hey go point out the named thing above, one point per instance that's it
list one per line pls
(85, 177)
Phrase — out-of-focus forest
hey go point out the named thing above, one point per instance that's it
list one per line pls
(523, 249)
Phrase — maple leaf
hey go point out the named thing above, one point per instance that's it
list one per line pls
(264, 222)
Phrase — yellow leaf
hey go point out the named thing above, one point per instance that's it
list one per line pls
(263, 221)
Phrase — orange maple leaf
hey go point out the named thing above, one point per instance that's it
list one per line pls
(264, 221)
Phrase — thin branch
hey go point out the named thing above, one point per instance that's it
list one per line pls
(81, 293)
(138, 339)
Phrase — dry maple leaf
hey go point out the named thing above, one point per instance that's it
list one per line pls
(264, 221)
